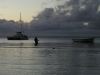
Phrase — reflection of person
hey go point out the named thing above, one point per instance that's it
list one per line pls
(36, 41)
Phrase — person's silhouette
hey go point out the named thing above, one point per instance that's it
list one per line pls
(36, 41)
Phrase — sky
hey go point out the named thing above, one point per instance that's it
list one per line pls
(10, 9)
(70, 17)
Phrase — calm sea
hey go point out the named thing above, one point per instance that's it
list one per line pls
(53, 56)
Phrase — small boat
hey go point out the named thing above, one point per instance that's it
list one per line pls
(18, 36)
(83, 40)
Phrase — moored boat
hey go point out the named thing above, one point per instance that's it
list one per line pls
(18, 36)
(83, 40)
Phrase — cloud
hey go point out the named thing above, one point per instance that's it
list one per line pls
(69, 17)
(76, 10)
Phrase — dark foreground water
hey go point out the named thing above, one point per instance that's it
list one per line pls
(50, 57)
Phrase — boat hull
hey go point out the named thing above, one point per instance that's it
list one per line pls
(14, 38)
(83, 40)
(18, 36)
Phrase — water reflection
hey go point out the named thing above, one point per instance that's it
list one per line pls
(85, 60)
(55, 59)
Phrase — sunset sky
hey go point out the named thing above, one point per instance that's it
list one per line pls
(10, 9)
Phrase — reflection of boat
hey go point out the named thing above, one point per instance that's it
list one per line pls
(83, 40)
(18, 36)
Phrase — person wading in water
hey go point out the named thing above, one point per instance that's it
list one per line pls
(36, 41)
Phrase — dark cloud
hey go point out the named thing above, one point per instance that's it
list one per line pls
(81, 10)
(69, 17)
(10, 27)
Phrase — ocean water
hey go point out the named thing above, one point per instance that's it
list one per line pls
(53, 56)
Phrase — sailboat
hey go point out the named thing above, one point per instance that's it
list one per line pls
(18, 35)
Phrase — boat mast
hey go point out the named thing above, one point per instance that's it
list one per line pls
(20, 21)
